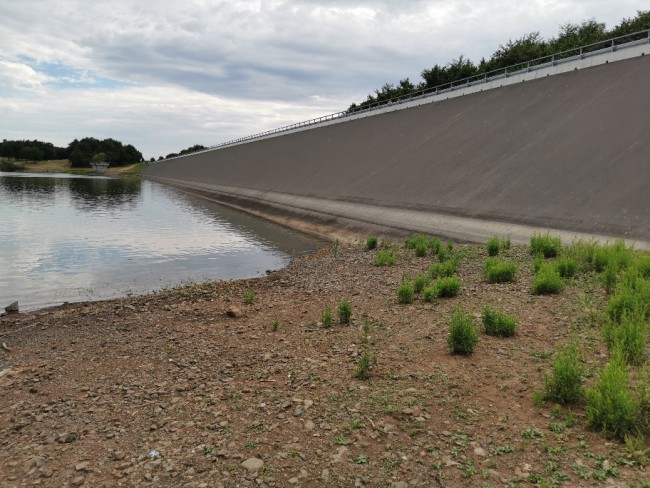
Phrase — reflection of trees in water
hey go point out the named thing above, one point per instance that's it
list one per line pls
(34, 187)
(104, 193)
(85, 193)
(37, 192)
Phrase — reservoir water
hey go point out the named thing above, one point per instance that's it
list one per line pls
(66, 238)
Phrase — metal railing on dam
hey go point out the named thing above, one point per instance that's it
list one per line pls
(571, 55)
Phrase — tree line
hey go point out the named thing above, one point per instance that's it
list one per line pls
(182, 152)
(79, 152)
(530, 46)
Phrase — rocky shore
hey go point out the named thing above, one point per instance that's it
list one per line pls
(169, 390)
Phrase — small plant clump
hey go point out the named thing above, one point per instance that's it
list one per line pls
(497, 323)
(385, 258)
(629, 337)
(565, 383)
(412, 242)
(421, 281)
(326, 317)
(371, 243)
(545, 244)
(345, 312)
(567, 267)
(499, 271)
(611, 407)
(547, 280)
(275, 325)
(463, 336)
(367, 360)
(495, 245)
(445, 268)
(406, 293)
(429, 293)
(249, 297)
(447, 287)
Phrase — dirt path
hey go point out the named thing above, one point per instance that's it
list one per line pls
(167, 390)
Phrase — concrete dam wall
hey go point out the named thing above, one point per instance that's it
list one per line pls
(568, 152)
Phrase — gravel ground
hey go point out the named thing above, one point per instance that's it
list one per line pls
(168, 390)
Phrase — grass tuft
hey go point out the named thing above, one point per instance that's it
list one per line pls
(345, 312)
(385, 258)
(498, 323)
(629, 337)
(545, 244)
(371, 243)
(429, 293)
(463, 337)
(547, 280)
(496, 244)
(565, 383)
(499, 271)
(567, 267)
(447, 287)
(446, 268)
(326, 317)
(611, 407)
(421, 282)
(249, 297)
(405, 293)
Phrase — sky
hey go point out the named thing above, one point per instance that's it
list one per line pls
(170, 74)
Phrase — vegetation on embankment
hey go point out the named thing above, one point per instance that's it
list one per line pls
(493, 385)
(527, 48)
(64, 166)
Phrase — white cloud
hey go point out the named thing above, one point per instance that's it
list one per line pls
(20, 77)
(205, 71)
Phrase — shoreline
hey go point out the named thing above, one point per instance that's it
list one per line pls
(91, 390)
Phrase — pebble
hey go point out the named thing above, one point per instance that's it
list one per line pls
(479, 451)
(252, 465)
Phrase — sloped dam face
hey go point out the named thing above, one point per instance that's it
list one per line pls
(568, 152)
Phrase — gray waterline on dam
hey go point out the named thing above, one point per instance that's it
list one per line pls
(67, 238)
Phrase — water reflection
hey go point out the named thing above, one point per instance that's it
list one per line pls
(69, 239)
(104, 194)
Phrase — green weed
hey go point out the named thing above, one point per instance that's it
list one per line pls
(565, 383)
(249, 297)
(463, 336)
(326, 316)
(495, 245)
(567, 267)
(498, 323)
(385, 258)
(545, 244)
(429, 293)
(547, 281)
(630, 337)
(610, 405)
(420, 283)
(345, 312)
(405, 293)
(499, 271)
(447, 287)
(371, 243)
(446, 268)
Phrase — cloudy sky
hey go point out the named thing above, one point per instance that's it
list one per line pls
(169, 74)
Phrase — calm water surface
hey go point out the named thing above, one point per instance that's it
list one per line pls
(70, 238)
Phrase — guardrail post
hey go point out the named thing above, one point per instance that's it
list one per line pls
(580, 53)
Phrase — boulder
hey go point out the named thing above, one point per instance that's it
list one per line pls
(233, 312)
(12, 308)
